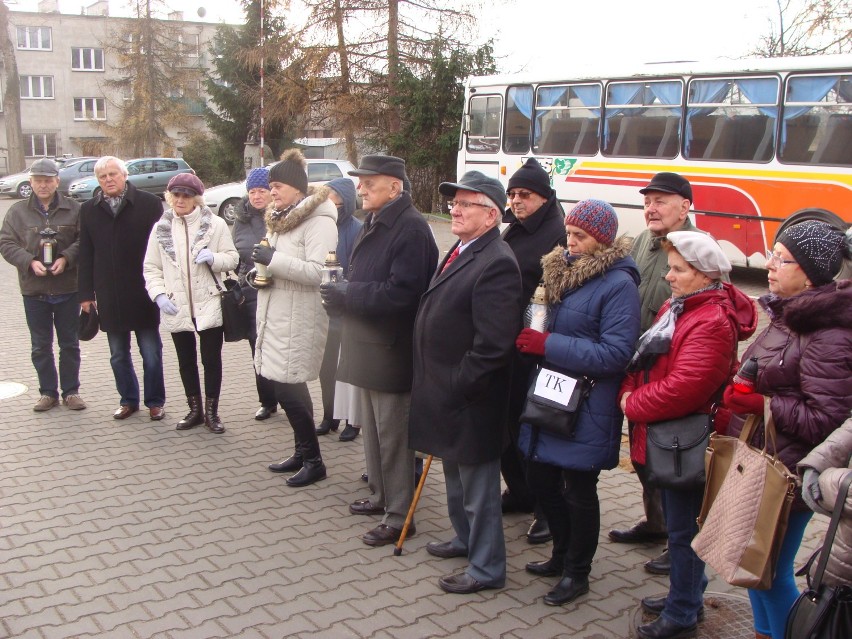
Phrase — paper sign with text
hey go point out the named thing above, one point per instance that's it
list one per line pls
(556, 387)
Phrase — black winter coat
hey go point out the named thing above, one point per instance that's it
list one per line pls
(463, 343)
(112, 250)
(392, 262)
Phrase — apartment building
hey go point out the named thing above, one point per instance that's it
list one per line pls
(64, 64)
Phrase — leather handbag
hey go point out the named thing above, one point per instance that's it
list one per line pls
(553, 401)
(747, 501)
(822, 611)
(674, 454)
(234, 320)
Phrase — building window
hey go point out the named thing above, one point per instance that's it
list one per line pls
(191, 44)
(34, 38)
(37, 87)
(87, 59)
(39, 145)
(89, 109)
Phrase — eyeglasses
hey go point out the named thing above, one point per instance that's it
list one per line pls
(464, 205)
(521, 194)
(775, 261)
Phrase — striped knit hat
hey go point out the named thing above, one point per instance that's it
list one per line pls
(595, 217)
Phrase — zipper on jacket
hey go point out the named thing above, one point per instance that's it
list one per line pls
(188, 272)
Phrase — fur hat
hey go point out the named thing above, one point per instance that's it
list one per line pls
(531, 176)
(258, 178)
(291, 170)
(819, 248)
(595, 217)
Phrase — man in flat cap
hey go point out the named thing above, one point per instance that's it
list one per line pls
(41, 238)
(463, 344)
(391, 263)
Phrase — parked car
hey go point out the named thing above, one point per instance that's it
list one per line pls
(148, 174)
(75, 169)
(223, 198)
(16, 185)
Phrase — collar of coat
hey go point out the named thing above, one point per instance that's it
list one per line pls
(551, 208)
(163, 230)
(560, 276)
(820, 308)
(304, 210)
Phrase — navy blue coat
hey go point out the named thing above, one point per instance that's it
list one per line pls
(593, 331)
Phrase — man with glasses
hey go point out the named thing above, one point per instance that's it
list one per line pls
(392, 261)
(536, 224)
(462, 377)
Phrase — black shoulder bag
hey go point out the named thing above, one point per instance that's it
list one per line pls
(554, 399)
(234, 320)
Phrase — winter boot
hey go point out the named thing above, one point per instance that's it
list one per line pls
(313, 470)
(195, 416)
(211, 416)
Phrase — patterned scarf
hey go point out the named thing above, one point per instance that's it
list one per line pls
(658, 339)
(114, 201)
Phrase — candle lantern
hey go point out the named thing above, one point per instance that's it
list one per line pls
(537, 315)
(47, 247)
(261, 277)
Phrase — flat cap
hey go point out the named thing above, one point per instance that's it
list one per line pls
(44, 166)
(478, 183)
(381, 165)
(669, 183)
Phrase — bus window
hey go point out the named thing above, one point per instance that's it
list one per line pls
(484, 133)
(731, 119)
(642, 119)
(567, 119)
(817, 123)
(516, 136)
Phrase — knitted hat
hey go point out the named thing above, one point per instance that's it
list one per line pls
(818, 247)
(258, 179)
(701, 251)
(291, 170)
(595, 217)
(531, 176)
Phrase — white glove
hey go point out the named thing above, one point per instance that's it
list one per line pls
(166, 305)
(204, 255)
(811, 492)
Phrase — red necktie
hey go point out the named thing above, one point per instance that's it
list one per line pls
(451, 259)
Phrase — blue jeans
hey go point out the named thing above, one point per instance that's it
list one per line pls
(126, 383)
(44, 313)
(771, 607)
(687, 580)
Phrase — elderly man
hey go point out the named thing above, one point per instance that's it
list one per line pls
(536, 225)
(462, 377)
(114, 230)
(40, 237)
(389, 269)
(668, 198)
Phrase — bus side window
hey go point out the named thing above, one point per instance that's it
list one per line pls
(817, 125)
(484, 133)
(519, 107)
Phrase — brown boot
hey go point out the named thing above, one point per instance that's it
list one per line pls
(195, 416)
(758, 635)
(211, 416)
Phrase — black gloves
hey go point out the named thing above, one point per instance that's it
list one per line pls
(334, 296)
(261, 254)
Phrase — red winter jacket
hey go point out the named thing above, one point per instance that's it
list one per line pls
(701, 359)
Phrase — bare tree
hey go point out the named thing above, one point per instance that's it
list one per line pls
(11, 96)
(808, 27)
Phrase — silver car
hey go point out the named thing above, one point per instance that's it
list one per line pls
(148, 174)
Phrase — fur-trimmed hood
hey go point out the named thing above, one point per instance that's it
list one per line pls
(284, 221)
(562, 274)
(820, 308)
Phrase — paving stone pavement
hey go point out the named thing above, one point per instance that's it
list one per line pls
(129, 528)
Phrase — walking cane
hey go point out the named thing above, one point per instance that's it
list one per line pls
(397, 551)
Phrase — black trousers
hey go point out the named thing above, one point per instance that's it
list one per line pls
(512, 463)
(265, 387)
(211, 341)
(295, 399)
(328, 369)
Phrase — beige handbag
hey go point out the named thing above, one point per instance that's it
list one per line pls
(746, 505)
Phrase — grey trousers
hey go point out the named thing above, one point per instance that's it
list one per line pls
(390, 463)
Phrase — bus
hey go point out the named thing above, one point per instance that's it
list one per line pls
(762, 141)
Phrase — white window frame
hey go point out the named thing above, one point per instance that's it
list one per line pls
(89, 109)
(33, 38)
(83, 56)
(39, 145)
(28, 82)
(191, 44)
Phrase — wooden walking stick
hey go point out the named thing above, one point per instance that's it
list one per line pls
(397, 551)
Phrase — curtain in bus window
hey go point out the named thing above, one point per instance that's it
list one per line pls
(546, 97)
(568, 120)
(643, 119)
(617, 95)
(702, 92)
(801, 122)
(519, 107)
(757, 133)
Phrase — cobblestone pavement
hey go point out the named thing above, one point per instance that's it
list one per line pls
(131, 529)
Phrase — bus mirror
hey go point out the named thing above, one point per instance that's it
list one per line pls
(466, 124)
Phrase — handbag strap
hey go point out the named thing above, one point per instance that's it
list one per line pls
(839, 503)
(215, 279)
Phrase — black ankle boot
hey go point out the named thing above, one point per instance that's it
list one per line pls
(289, 465)
(313, 470)
(327, 425)
(195, 416)
(211, 416)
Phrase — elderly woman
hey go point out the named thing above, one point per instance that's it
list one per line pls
(184, 248)
(805, 365)
(680, 367)
(248, 229)
(292, 325)
(592, 287)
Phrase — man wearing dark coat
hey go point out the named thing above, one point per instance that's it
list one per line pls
(463, 343)
(114, 230)
(393, 258)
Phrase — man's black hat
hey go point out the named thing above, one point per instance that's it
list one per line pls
(381, 165)
(669, 183)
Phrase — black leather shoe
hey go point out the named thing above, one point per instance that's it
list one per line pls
(461, 584)
(660, 565)
(349, 433)
(662, 628)
(265, 412)
(382, 535)
(655, 605)
(567, 590)
(444, 549)
(539, 532)
(365, 507)
(289, 465)
(311, 473)
(365, 477)
(327, 425)
(550, 568)
(637, 534)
